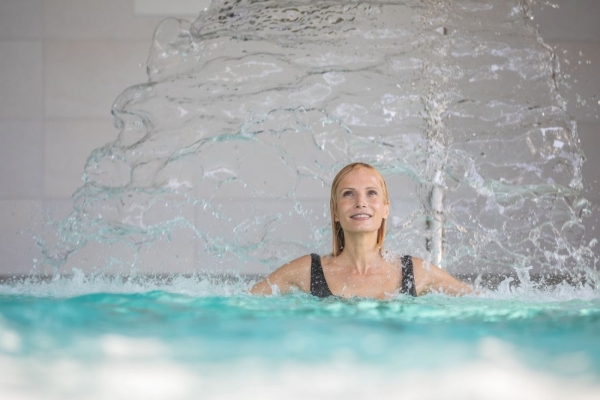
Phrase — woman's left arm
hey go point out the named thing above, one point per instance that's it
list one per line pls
(430, 278)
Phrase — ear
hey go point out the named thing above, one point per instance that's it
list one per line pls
(386, 211)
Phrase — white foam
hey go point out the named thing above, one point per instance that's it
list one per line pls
(81, 284)
(199, 286)
(496, 374)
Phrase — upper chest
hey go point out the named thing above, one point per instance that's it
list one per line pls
(378, 282)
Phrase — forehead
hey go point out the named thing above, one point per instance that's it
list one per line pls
(360, 177)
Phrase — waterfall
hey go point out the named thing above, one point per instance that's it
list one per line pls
(251, 109)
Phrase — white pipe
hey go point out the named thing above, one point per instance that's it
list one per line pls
(437, 224)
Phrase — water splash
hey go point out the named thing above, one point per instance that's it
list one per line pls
(251, 109)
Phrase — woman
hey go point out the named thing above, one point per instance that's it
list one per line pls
(357, 267)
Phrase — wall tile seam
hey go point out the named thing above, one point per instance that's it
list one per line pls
(20, 40)
(48, 198)
(44, 108)
(565, 40)
(52, 199)
(76, 119)
(21, 120)
(21, 198)
(97, 40)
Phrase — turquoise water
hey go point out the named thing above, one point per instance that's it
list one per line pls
(193, 329)
(224, 159)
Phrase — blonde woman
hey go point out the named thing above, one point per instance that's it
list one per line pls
(357, 268)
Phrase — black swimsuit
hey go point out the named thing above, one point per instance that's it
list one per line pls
(319, 287)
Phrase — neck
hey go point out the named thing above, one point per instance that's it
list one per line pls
(360, 251)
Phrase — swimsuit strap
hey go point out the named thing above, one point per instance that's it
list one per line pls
(318, 284)
(408, 277)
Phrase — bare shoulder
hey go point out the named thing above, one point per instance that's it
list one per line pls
(294, 274)
(419, 264)
(429, 277)
(421, 274)
(295, 268)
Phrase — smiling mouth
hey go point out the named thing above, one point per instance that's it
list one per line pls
(360, 216)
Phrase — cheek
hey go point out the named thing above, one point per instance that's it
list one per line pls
(376, 203)
(383, 207)
(342, 202)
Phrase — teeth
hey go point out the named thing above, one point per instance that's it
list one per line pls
(360, 215)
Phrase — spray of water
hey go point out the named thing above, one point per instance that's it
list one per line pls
(251, 109)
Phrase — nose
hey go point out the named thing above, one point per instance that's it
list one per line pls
(360, 201)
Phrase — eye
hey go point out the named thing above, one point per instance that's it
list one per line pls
(347, 193)
(372, 192)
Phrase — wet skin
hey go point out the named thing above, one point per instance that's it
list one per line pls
(360, 270)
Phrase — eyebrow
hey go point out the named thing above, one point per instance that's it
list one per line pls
(351, 188)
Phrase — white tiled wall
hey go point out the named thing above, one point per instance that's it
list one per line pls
(63, 62)
(83, 78)
(62, 175)
(571, 27)
(96, 20)
(21, 19)
(18, 250)
(568, 20)
(171, 7)
(21, 158)
(21, 63)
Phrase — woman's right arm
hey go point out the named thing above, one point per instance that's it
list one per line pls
(293, 275)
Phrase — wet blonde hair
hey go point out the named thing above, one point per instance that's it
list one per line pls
(336, 227)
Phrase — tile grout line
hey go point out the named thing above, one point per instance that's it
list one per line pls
(43, 157)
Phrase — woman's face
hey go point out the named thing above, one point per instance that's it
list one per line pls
(361, 204)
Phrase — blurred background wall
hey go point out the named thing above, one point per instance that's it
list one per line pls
(63, 63)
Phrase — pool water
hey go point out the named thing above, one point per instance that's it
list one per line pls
(224, 159)
(205, 338)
